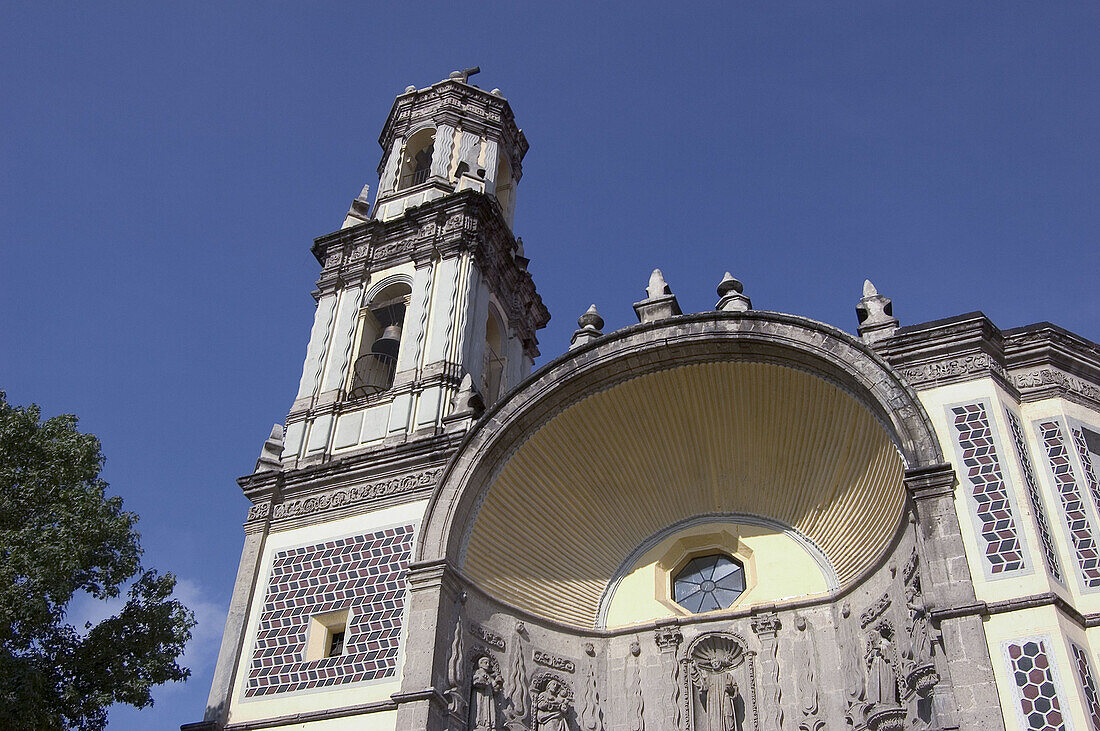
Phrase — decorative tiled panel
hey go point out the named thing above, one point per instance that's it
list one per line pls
(990, 499)
(1086, 464)
(1077, 518)
(1088, 684)
(1036, 691)
(363, 574)
(1050, 554)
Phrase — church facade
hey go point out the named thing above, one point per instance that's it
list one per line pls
(733, 520)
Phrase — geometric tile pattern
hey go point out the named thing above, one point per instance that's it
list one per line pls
(1086, 462)
(363, 574)
(1073, 504)
(1088, 683)
(1038, 698)
(1024, 453)
(994, 511)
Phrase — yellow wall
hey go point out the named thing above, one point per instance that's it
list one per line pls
(776, 567)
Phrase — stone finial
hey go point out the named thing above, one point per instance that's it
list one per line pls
(730, 297)
(496, 92)
(360, 208)
(272, 452)
(660, 302)
(467, 402)
(591, 325)
(409, 89)
(876, 315)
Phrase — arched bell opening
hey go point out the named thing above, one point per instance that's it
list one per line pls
(416, 160)
(378, 341)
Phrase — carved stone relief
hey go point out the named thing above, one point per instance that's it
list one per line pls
(874, 611)
(591, 717)
(357, 493)
(720, 684)
(810, 701)
(635, 697)
(516, 686)
(766, 626)
(553, 701)
(668, 640)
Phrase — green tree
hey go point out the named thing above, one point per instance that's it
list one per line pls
(61, 534)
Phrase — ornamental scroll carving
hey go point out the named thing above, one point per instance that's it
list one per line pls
(953, 368)
(1052, 376)
(487, 636)
(554, 661)
(357, 493)
(720, 684)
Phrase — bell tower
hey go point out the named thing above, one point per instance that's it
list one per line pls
(425, 309)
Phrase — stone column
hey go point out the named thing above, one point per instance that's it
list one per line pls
(422, 705)
(668, 638)
(966, 697)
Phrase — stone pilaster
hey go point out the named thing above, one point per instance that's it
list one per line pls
(668, 638)
(766, 626)
(966, 697)
(217, 705)
(421, 702)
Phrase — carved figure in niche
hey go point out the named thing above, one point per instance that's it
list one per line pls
(881, 660)
(552, 704)
(484, 687)
(717, 697)
(919, 632)
(716, 673)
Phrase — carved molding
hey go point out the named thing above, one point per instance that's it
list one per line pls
(1042, 378)
(953, 369)
(356, 493)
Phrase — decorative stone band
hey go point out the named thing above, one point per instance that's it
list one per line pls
(953, 369)
(345, 496)
(1044, 378)
(1031, 384)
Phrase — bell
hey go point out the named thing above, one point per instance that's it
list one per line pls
(389, 342)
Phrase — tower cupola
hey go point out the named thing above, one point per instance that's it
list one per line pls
(451, 136)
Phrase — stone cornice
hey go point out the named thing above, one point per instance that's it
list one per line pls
(347, 485)
(447, 226)
(1032, 363)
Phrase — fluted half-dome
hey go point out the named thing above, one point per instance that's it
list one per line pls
(613, 469)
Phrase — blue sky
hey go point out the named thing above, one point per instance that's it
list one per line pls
(165, 167)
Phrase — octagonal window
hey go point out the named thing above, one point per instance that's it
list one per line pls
(707, 583)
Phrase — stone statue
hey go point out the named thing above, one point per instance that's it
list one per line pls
(484, 687)
(716, 696)
(919, 631)
(551, 707)
(882, 686)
